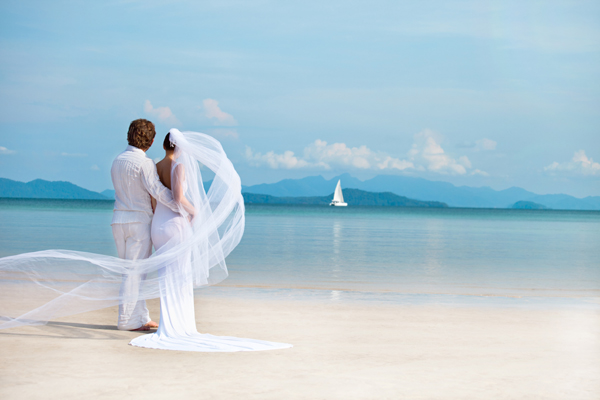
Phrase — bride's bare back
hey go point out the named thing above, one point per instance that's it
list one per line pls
(163, 167)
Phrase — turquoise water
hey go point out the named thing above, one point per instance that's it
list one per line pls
(376, 253)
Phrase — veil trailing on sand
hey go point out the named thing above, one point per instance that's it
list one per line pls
(49, 284)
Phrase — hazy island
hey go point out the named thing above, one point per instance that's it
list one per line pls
(354, 197)
(528, 205)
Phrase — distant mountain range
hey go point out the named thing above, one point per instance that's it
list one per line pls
(424, 190)
(318, 190)
(108, 193)
(41, 189)
(351, 196)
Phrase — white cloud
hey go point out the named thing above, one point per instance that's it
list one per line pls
(395, 163)
(214, 112)
(95, 168)
(287, 160)
(479, 172)
(580, 164)
(327, 156)
(4, 150)
(464, 161)
(427, 152)
(163, 114)
(73, 154)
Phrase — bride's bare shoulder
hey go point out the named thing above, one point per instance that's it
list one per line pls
(161, 165)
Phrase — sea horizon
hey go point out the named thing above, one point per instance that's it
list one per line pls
(102, 204)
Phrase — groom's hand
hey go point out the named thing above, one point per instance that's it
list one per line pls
(153, 202)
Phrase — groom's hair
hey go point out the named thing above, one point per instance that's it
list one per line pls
(141, 134)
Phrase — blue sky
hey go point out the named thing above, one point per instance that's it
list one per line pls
(475, 93)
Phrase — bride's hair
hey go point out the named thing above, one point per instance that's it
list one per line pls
(167, 143)
(141, 134)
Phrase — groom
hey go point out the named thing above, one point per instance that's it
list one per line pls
(135, 179)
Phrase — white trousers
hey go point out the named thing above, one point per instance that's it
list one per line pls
(133, 242)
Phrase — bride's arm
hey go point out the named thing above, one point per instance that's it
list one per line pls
(177, 186)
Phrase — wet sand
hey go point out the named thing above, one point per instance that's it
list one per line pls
(341, 351)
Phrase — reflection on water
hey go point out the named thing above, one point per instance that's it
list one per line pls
(335, 295)
(431, 263)
(336, 259)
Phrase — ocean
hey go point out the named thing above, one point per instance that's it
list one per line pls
(365, 254)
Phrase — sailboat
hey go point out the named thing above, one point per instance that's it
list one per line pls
(338, 197)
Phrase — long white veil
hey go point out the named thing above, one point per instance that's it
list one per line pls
(44, 285)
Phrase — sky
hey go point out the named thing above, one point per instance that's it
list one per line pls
(476, 93)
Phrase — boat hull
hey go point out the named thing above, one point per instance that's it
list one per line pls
(338, 204)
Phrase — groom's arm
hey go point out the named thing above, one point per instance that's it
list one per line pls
(155, 187)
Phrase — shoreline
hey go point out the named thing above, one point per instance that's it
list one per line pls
(106, 204)
(341, 351)
(358, 297)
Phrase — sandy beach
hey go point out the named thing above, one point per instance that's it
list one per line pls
(341, 351)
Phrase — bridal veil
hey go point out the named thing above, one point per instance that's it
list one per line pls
(44, 285)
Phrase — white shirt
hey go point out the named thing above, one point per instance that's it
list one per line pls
(135, 179)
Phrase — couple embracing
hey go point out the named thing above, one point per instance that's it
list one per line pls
(140, 190)
(164, 205)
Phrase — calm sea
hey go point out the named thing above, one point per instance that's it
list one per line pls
(386, 254)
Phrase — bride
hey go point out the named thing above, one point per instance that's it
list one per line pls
(191, 246)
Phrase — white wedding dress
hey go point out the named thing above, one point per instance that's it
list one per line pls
(177, 328)
(45, 285)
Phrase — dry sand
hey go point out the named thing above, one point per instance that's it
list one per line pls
(340, 352)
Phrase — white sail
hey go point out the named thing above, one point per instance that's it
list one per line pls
(338, 197)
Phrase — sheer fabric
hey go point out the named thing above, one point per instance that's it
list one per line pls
(177, 329)
(41, 286)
